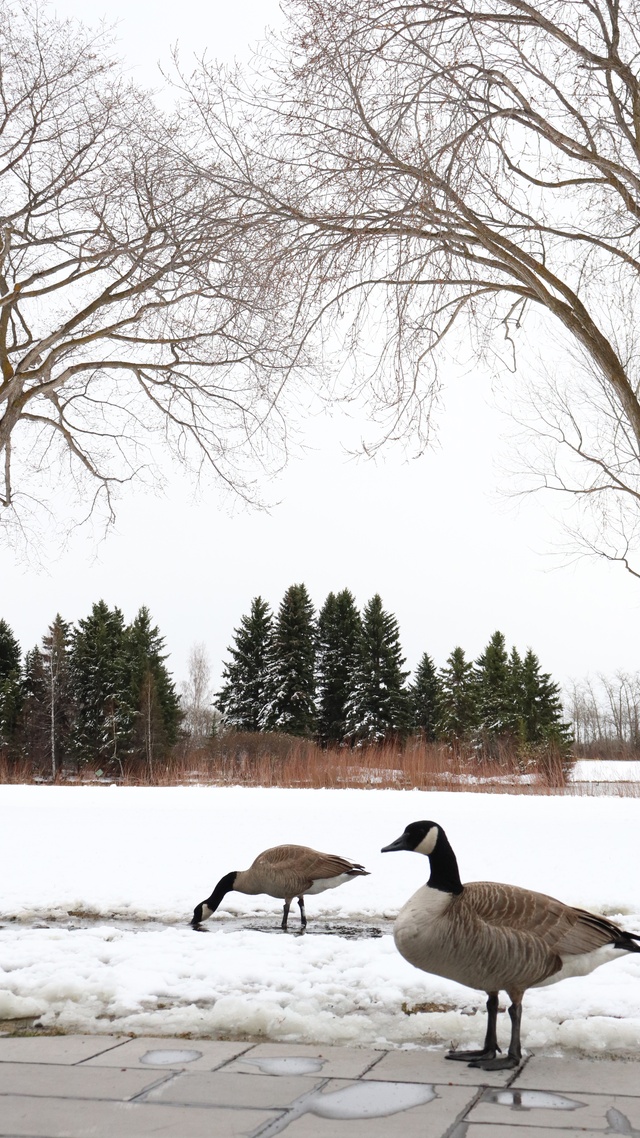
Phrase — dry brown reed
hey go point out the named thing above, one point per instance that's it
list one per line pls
(271, 759)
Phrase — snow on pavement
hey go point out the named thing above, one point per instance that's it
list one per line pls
(148, 855)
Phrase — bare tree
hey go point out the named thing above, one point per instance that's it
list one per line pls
(606, 711)
(441, 164)
(127, 318)
(197, 697)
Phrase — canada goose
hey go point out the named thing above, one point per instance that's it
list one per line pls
(284, 871)
(494, 937)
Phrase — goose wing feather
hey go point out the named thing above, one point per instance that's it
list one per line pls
(307, 863)
(564, 930)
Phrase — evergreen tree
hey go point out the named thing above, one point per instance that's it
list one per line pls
(424, 699)
(100, 676)
(10, 683)
(515, 682)
(243, 697)
(338, 637)
(290, 676)
(539, 707)
(58, 697)
(153, 705)
(494, 696)
(33, 732)
(378, 707)
(458, 706)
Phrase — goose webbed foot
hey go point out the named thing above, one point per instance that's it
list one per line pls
(467, 1056)
(513, 1058)
(506, 1063)
(487, 1053)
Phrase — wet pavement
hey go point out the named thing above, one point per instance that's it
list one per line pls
(80, 1086)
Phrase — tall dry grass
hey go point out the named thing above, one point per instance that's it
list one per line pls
(270, 759)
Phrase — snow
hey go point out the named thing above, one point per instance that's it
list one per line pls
(606, 770)
(131, 863)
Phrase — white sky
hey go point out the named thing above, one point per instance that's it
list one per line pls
(436, 537)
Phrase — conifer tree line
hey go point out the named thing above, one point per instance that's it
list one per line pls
(96, 692)
(339, 677)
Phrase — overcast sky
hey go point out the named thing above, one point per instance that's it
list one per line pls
(452, 555)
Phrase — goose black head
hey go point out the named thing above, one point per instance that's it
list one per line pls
(206, 908)
(420, 837)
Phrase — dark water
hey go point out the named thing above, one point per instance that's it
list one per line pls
(352, 929)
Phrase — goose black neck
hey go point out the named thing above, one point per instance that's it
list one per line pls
(444, 867)
(224, 886)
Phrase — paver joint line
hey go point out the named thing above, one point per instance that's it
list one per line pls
(460, 1119)
(160, 1081)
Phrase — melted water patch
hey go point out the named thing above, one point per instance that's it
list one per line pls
(619, 1124)
(369, 1099)
(529, 1100)
(287, 1065)
(167, 1058)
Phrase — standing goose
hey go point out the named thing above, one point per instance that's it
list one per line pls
(287, 872)
(496, 937)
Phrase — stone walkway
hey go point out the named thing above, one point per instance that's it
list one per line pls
(79, 1086)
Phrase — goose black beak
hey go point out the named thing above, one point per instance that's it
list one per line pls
(399, 844)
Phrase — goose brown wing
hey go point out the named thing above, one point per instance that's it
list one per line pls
(563, 929)
(307, 863)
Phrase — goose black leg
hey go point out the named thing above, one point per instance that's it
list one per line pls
(285, 915)
(490, 1047)
(303, 918)
(514, 1054)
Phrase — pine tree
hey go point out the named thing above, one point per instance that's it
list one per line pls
(153, 705)
(494, 697)
(458, 706)
(338, 636)
(378, 707)
(101, 682)
(58, 697)
(243, 697)
(424, 699)
(10, 684)
(539, 706)
(34, 726)
(290, 675)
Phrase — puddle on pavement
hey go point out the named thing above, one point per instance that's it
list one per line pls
(167, 1058)
(370, 1100)
(620, 1124)
(287, 1065)
(529, 1100)
(359, 1101)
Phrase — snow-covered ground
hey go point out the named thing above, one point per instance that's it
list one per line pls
(606, 770)
(98, 885)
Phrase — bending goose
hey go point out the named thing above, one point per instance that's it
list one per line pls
(496, 937)
(287, 872)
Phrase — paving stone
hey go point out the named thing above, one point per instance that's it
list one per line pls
(74, 1082)
(61, 1118)
(337, 1062)
(164, 1054)
(432, 1067)
(432, 1119)
(224, 1088)
(493, 1131)
(604, 1076)
(55, 1048)
(591, 1112)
